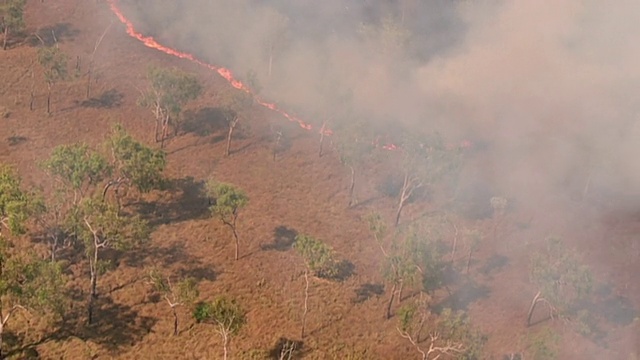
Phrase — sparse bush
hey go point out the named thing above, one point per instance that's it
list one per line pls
(318, 256)
(226, 314)
(228, 201)
(561, 279)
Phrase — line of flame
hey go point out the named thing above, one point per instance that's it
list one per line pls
(150, 42)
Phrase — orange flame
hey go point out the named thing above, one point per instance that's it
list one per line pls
(150, 42)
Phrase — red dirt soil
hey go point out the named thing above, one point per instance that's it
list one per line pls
(299, 191)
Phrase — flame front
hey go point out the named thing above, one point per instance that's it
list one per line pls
(150, 42)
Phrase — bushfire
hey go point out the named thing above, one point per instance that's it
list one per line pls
(224, 72)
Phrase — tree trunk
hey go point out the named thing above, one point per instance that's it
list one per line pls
(225, 336)
(165, 127)
(276, 145)
(399, 212)
(227, 150)
(400, 291)
(403, 198)
(237, 240)
(232, 126)
(393, 294)
(533, 307)
(31, 100)
(352, 185)
(321, 139)
(158, 121)
(1, 332)
(469, 259)
(6, 35)
(175, 321)
(49, 101)
(270, 62)
(89, 79)
(94, 284)
(306, 302)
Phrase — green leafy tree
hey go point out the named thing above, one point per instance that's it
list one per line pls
(102, 228)
(54, 62)
(412, 258)
(11, 18)
(134, 163)
(412, 319)
(450, 333)
(168, 92)
(425, 160)
(234, 105)
(15, 204)
(78, 168)
(561, 279)
(182, 293)
(229, 200)
(318, 256)
(354, 142)
(51, 216)
(28, 284)
(226, 314)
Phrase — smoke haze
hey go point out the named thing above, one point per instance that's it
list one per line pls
(548, 88)
(545, 90)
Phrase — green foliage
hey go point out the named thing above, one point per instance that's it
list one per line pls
(15, 205)
(455, 326)
(223, 312)
(415, 257)
(428, 158)
(77, 166)
(544, 345)
(234, 102)
(41, 285)
(142, 165)
(318, 256)
(560, 277)
(27, 281)
(170, 89)
(54, 63)
(406, 315)
(228, 199)
(13, 13)
(377, 226)
(184, 292)
(354, 141)
(112, 230)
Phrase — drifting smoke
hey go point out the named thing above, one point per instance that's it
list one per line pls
(548, 88)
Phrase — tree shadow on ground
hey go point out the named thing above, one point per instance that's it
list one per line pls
(494, 263)
(186, 202)
(203, 122)
(107, 100)
(344, 269)
(51, 34)
(283, 239)
(16, 140)
(463, 296)
(174, 254)
(117, 326)
(366, 291)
